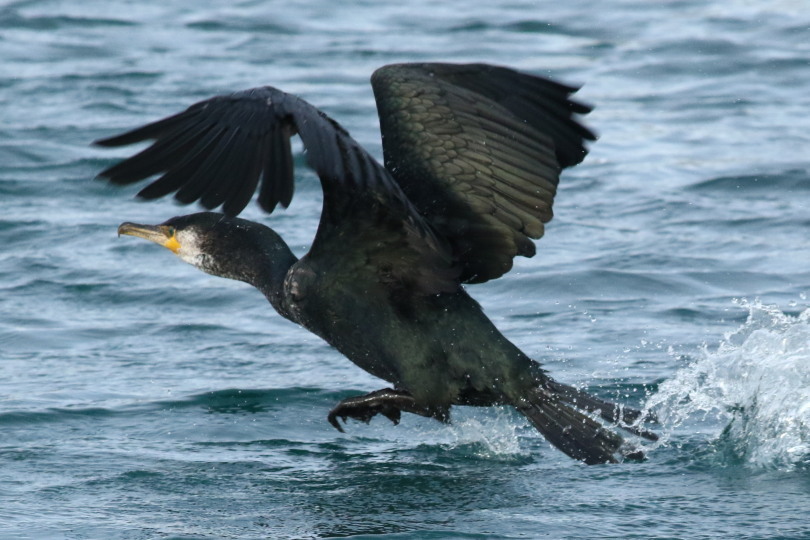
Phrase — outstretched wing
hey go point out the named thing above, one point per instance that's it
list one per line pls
(478, 149)
(218, 151)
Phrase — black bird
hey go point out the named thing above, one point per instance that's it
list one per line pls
(472, 155)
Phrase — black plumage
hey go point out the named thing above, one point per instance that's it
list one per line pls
(472, 155)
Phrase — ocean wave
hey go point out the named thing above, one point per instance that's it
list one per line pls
(790, 180)
(52, 23)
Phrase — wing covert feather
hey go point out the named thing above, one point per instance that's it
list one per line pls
(478, 149)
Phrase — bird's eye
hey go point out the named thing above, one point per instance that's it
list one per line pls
(172, 230)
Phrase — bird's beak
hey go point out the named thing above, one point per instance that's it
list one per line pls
(160, 234)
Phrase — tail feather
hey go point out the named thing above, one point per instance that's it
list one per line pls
(626, 418)
(574, 433)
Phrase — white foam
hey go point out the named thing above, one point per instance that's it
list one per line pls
(495, 433)
(751, 394)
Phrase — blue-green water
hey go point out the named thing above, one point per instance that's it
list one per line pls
(140, 398)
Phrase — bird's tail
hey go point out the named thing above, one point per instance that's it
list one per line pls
(550, 408)
(627, 418)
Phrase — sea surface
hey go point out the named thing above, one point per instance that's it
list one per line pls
(143, 399)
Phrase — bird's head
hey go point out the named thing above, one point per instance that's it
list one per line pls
(228, 247)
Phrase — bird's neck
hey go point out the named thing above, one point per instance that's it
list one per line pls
(270, 275)
(262, 260)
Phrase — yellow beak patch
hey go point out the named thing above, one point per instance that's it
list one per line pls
(172, 244)
(160, 234)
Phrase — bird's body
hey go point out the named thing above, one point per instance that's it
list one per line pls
(472, 158)
(441, 348)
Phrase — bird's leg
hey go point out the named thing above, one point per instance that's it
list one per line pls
(387, 402)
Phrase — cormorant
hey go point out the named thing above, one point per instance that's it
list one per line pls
(472, 155)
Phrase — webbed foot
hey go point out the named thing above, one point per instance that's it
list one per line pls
(387, 402)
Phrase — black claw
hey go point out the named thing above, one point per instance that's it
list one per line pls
(333, 420)
(392, 414)
(387, 402)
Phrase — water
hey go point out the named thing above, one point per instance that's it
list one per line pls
(763, 407)
(140, 398)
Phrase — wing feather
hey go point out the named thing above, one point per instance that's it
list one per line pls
(207, 166)
(240, 193)
(478, 149)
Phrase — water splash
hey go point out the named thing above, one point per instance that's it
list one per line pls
(497, 434)
(751, 394)
(487, 433)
